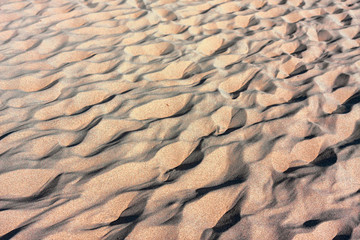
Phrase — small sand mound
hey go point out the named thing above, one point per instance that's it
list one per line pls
(173, 155)
(30, 83)
(319, 35)
(292, 47)
(171, 28)
(307, 150)
(68, 57)
(156, 49)
(25, 182)
(257, 4)
(228, 7)
(165, 14)
(224, 61)
(162, 108)
(210, 45)
(272, 12)
(175, 70)
(243, 21)
(73, 105)
(332, 79)
(293, 17)
(109, 130)
(142, 23)
(237, 82)
(291, 67)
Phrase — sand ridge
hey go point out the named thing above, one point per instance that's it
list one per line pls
(164, 119)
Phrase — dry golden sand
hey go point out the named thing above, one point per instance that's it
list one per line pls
(165, 119)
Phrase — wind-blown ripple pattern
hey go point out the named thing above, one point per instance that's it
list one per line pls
(144, 119)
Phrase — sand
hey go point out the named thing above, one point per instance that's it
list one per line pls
(179, 120)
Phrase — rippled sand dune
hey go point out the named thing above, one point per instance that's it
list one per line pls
(165, 119)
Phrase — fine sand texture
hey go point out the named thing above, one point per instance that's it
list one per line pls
(179, 119)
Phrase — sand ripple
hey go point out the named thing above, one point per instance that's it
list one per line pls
(139, 119)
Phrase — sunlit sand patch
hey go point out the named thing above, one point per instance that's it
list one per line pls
(179, 120)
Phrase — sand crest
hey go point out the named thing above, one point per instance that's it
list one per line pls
(179, 120)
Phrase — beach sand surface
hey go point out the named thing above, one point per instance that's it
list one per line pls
(180, 120)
